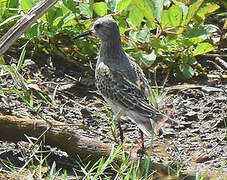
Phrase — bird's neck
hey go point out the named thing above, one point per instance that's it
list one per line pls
(112, 50)
(113, 55)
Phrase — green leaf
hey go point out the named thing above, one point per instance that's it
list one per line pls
(201, 31)
(132, 34)
(10, 19)
(66, 20)
(3, 6)
(184, 9)
(31, 101)
(52, 14)
(136, 15)
(13, 4)
(210, 28)
(2, 60)
(21, 59)
(187, 59)
(17, 77)
(222, 14)
(123, 4)
(196, 40)
(203, 48)
(26, 5)
(143, 35)
(146, 7)
(70, 4)
(192, 11)
(185, 43)
(165, 19)
(157, 43)
(34, 31)
(175, 15)
(206, 10)
(158, 8)
(112, 5)
(187, 70)
(149, 59)
(152, 9)
(100, 8)
(85, 10)
(225, 24)
(122, 25)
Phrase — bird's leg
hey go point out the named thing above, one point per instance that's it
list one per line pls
(141, 135)
(142, 149)
(121, 131)
(117, 119)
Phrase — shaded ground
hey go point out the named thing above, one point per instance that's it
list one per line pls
(201, 108)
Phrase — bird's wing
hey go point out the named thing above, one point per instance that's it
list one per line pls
(115, 86)
(142, 82)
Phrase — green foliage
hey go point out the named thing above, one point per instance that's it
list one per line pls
(100, 8)
(180, 29)
(202, 48)
(135, 15)
(181, 33)
(192, 10)
(26, 5)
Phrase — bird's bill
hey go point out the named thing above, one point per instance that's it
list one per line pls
(84, 34)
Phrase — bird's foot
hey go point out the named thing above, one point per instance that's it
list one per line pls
(141, 152)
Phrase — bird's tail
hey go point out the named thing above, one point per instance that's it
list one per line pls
(157, 125)
(163, 122)
(154, 123)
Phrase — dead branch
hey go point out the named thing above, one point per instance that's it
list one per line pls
(59, 135)
(24, 23)
(62, 136)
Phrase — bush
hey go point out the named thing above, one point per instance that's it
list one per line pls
(168, 32)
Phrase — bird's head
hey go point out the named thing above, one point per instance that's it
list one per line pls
(104, 28)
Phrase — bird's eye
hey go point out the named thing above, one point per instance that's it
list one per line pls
(97, 26)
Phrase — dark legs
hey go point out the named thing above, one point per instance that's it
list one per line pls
(117, 119)
(141, 135)
(141, 151)
(121, 131)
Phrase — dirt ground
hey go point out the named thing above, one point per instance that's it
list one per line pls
(199, 143)
(200, 106)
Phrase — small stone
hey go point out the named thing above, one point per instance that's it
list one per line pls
(192, 115)
(209, 89)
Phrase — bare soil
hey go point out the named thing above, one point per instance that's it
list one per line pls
(200, 106)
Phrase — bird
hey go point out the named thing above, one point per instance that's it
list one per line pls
(121, 81)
